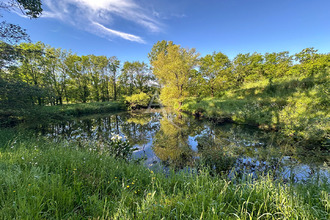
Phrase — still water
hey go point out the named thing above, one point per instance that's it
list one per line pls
(178, 141)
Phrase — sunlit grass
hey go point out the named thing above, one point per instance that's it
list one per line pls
(297, 107)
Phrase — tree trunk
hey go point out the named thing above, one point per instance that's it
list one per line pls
(114, 91)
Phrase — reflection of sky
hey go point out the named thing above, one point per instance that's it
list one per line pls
(193, 143)
(146, 151)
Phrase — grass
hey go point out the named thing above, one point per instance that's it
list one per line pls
(43, 180)
(83, 108)
(60, 112)
(296, 106)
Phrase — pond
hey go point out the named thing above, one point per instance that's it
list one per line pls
(168, 140)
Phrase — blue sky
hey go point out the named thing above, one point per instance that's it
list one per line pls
(129, 28)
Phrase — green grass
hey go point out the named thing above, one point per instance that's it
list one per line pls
(298, 107)
(83, 108)
(43, 180)
(60, 112)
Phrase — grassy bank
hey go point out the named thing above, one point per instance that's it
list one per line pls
(64, 111)
(42, 180)
(298, 107)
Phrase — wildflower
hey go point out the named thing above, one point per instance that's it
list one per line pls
(29, 185)
(115, 177)
(149, 194)
(127, 186)
(14, 191)
(152, 172)
(133, 183)
(135, 192)
(22, 158)
(75, 169)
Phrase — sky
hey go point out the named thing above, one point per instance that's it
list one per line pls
(129, 28)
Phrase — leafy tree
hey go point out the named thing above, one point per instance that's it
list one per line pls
(56, 74)
(197, 84)
(247, 67)
(113, 65)
(31, 62)
(8, 55)
(30, 8)
(13, 33)
(173, 69)
(136, 76)
(158, 48)
(215, 69)
(306, 55)
(277, 64)
(310, 62)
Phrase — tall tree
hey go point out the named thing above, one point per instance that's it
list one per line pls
(215, 69)
(277, 64)
(173, 70)
(247, 67)
(159, 47)
(113, 65)
(31, 62)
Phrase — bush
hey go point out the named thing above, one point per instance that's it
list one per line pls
(138, 101)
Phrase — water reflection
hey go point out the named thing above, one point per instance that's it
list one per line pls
(180, 141)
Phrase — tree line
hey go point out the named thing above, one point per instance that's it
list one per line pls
(47, 75)
(183, 73)
(35, 73)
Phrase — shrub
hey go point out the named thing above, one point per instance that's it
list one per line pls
(138, 101)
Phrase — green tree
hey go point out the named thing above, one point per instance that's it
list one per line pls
(159, 47)
(137, 76)
(248, 67)
(215, 69)
(173, 69)
(32, 62)
(277, 64)
(113, 66)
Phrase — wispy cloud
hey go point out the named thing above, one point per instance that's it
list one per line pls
(99, 16)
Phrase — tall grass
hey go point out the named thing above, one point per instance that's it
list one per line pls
(43, 180)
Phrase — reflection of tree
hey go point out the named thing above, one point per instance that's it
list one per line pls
(171, 143)
(258, 151)
(139, 129)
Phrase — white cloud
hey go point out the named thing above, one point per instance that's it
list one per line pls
(97, 16)
(109, 32)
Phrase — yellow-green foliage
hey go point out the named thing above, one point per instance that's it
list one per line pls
(138, 100)
(173, 70)
(297, 106)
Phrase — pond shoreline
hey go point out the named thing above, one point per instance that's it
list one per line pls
(218, 111)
